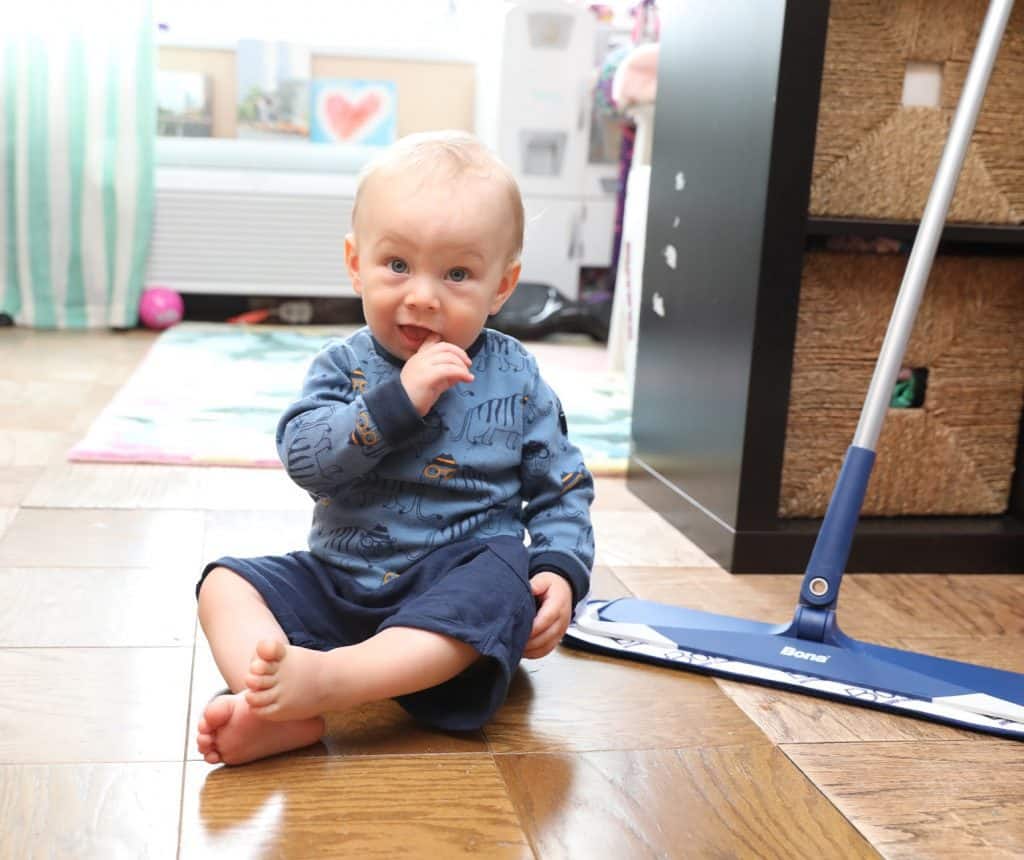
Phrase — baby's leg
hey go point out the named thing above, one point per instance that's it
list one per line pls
(289, 683)
(234, 616)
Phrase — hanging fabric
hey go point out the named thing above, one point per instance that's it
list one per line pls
(77, 139)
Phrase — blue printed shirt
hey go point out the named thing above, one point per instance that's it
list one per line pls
(491, 457)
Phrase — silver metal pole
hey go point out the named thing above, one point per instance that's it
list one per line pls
(923, 253)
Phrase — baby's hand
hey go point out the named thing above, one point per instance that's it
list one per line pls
(554, 613)
(435, 367)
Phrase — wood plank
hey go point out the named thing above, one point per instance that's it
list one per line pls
(998, 652)
(70, 356)
(103, 538)
(787, 717)
(643, 538)
(135, 486)
(575, 701)
(34, 404)
(89, 607)
(90, 811)
(32, 447)
(93, 704)
(925, 799)
(408, 806)
(745, 801)
(611, 494)
(917, 605)
(16, 482)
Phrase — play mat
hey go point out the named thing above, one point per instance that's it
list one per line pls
(211, 394)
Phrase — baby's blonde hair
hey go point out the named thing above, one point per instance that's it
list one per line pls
(459, 151)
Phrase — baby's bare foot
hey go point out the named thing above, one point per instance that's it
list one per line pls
(231, 733)
(287, 682)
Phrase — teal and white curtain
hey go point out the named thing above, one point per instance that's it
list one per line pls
(77, 139)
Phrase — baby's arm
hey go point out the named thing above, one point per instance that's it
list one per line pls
(336, 432)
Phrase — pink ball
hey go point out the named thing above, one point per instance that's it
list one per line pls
(160, 308)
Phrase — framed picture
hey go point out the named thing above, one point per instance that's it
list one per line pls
(183, 106)
(344, 110)
(273, 89)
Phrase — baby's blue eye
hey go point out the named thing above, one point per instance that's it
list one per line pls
(458, 275)
(399, 267)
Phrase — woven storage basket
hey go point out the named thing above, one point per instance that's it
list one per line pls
(875, 158)
(955, 455)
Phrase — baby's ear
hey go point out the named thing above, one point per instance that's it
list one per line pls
(507, 286)
(352, 262)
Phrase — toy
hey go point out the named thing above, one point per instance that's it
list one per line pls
(160, 308)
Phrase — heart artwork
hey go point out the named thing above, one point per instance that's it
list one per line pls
(354, 115)
(345, 117)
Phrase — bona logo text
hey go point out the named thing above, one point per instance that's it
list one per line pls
(804, 655)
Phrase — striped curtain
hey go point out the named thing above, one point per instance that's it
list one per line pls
(77, 139)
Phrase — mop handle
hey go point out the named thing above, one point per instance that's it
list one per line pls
(922, 254)
(824, 574)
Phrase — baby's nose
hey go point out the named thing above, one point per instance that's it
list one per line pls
(422, 293)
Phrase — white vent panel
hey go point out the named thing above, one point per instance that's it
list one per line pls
(250, 242)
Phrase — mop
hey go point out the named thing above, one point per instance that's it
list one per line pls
(810, 654)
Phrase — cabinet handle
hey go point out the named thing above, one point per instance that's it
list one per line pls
(576, 233)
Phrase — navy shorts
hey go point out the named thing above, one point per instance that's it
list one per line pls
(475, 591)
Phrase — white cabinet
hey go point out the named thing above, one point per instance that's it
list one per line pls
(561, 236)
(534, 106)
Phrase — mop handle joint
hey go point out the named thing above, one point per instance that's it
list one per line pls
(820, 587)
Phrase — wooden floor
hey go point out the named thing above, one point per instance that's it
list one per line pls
(103, 672)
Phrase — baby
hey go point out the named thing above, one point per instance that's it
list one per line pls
(430, 446)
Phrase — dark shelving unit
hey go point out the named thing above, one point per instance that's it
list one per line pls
(733, 149)
(1008, 235)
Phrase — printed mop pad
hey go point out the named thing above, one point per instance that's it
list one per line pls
(211, 395)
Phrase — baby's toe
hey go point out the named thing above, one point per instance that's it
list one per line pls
(259, 682)
(270, 650)
(260, 698)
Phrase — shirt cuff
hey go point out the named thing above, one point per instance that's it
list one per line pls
(574, 571)
(392, 411)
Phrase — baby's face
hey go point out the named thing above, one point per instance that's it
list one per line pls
(431, 256)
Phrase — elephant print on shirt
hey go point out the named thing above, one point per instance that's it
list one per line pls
(310, 453)
(367, 544)
(487, 419)
(374, 489)
(508, 355)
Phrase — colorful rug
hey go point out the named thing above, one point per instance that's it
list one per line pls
(211, 395)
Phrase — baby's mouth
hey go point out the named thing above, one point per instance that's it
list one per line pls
(414, 335)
